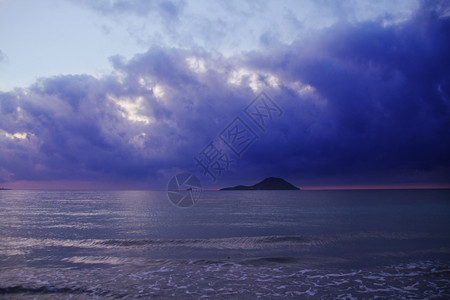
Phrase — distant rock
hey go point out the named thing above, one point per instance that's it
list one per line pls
(271, 183)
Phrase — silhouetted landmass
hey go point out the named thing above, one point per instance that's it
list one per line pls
(4, 189)
(271, 183)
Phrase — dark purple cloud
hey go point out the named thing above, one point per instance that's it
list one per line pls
(364, 103)
(387, 99)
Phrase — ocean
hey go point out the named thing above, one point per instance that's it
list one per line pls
(348, 244)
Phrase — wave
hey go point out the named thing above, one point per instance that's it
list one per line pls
(56, 292)
(256, 242)
(8, 244)
(271, 260)
(19, 289)
(214, 243)
(267, 278)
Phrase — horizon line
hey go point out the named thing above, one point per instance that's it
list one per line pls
(304, 188)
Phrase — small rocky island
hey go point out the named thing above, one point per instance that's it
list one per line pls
(271, 183)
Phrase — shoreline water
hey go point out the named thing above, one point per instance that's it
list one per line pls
(308, 244)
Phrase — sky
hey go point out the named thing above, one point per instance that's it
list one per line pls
(126, 94)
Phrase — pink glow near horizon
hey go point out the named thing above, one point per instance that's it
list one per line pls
(379, 187)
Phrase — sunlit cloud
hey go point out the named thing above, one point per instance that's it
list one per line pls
(256, 80)
(158, 91)
(196, 64)
(131, 109)
(16, 135)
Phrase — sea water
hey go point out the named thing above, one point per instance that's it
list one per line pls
(231, 244)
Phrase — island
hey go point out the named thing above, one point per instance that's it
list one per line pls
(271, 183)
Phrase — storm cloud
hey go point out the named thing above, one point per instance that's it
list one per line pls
(364, 103)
